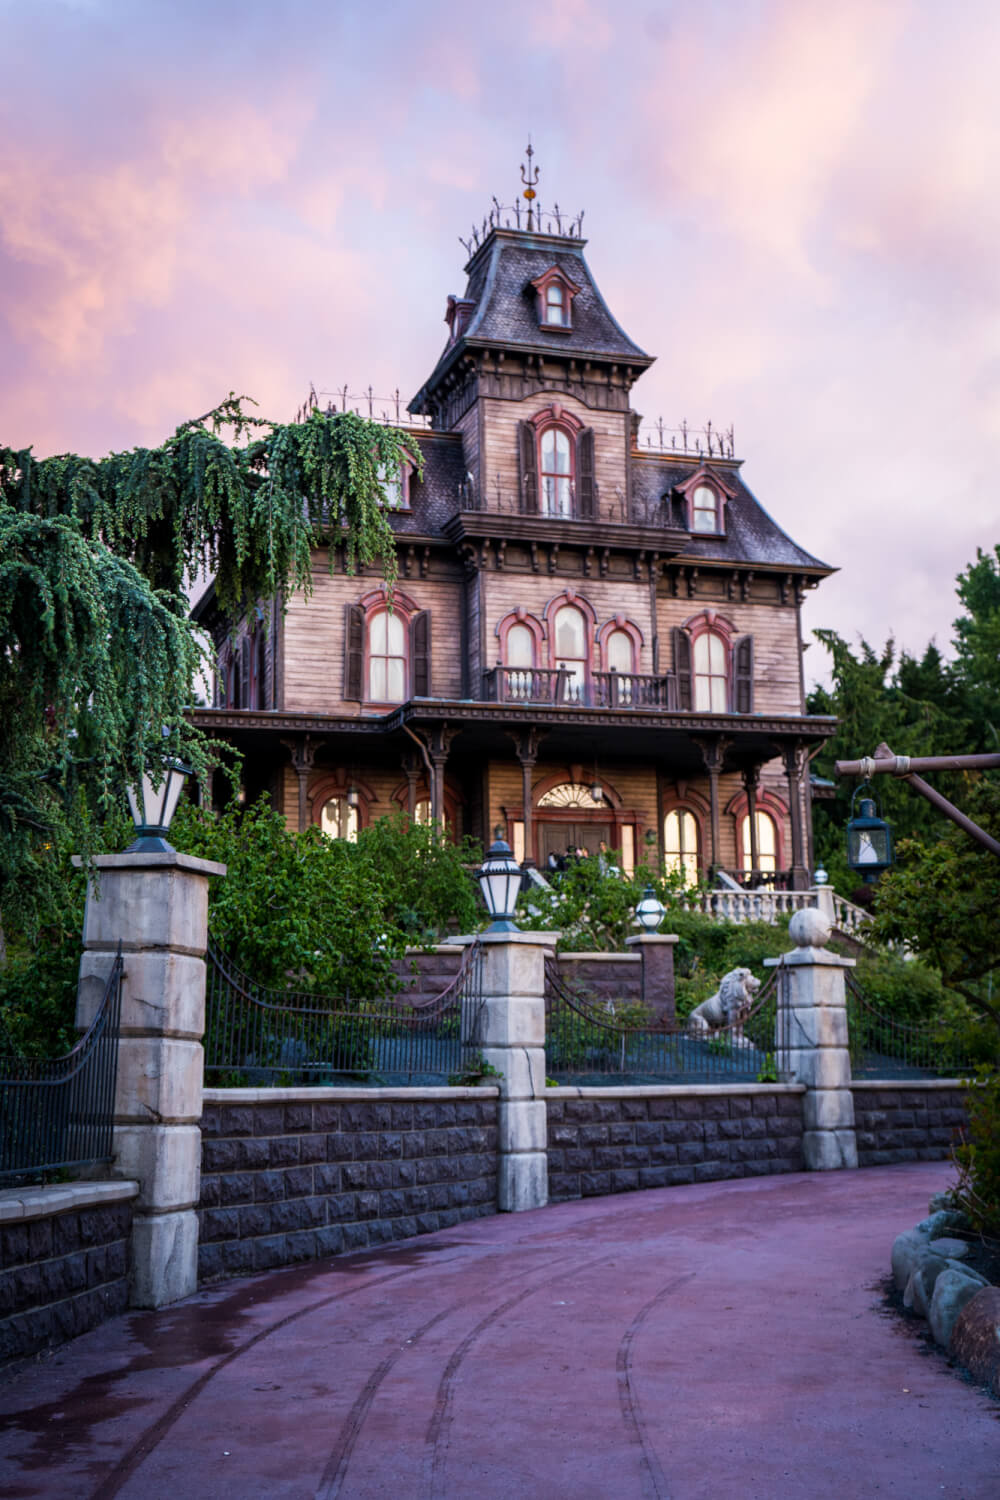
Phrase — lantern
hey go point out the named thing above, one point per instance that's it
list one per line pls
(500, 881)
(153, 807)
(650, 911)
(869, 839)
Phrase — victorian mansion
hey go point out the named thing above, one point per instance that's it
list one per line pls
(593, 637)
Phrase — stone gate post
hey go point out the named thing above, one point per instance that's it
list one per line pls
(656, 950)
(156, 905)
(813, 1026)
(511, 1035)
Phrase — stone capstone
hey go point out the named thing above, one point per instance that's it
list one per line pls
(809, 928)
(975, 1338)
(953, 1289)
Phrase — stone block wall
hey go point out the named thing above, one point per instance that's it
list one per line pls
(63, 1262)
(906, 1121)
(425, 974)
(603, 977)
(291, 1174)
(614, 1140)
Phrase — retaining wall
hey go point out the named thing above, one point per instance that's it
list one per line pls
(290, 1174)
(63, 1262)
(615, 1140)
(907, 1121)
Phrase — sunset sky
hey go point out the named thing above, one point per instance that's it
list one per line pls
(795, 205)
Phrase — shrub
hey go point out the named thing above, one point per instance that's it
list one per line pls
(978, 1157)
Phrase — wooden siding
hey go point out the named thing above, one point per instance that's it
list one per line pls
(607, 597)
(777, 681)
(500, 450)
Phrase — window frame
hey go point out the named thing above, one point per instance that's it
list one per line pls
(705, 477)
(570, 290)
(681, 810)
(560, 429)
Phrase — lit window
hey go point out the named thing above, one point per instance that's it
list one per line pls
(557, 472)
(555, 303)
(517, 840)
(627, 835)
(339, 820)
(680, 844)
(386, 658)
(422, 812)
(520, 647)
(711, 674)
(704, 509)
(570, 629)
(767, 841)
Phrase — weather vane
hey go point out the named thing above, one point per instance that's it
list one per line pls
(529, 179)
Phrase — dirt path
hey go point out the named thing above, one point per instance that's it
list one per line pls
(717, 1341)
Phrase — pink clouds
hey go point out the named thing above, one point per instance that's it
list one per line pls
(796, 206)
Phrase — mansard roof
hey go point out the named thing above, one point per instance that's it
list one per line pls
(751, 534)
(505, 314)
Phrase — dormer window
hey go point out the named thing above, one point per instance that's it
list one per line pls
(555, 293)
(704, 509)
(706, 495)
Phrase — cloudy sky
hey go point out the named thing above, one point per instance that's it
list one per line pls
(795, 205)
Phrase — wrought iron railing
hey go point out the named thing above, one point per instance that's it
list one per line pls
(558, 685)
(256, 1035)
(883, 1047)
(56, 1114)
(678, 439)
(582, 1040)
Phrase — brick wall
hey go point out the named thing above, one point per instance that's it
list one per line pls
(911, 1121)
(63, 1262)
(615, 1140)
(291, 1174)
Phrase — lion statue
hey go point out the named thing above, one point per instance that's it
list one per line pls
(728, 1007)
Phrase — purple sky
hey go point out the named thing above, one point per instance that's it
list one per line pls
(795, 205)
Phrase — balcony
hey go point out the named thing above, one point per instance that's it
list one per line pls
(559, 686)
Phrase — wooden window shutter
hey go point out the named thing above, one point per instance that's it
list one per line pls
(682, 668)
(528, 469)
(354, 651)
(743, 675)
(586, 484)
(420, 654)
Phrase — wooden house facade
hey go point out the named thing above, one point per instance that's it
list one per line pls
(591, 638)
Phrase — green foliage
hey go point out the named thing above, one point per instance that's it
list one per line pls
(978, 1157)
(478, 1071)
(977, 641)
(592, 905)
(425, 879)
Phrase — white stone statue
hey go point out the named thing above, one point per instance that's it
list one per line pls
(728, 1007)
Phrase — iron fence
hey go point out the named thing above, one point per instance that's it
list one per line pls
(883, 1047)
(584, 1042)
(257, 1035)
(57, 1113)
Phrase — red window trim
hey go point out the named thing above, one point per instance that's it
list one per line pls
(403, 606)
(607, 630)
(769, 802)
(328, 784)
(708, 622)
(724, 492)
(520, 616)
(541, 285)
(552, 608)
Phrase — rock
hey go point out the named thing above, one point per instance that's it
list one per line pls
(949, 1248)
(975, 1339)
(955, 1286)
(920, 1287)
(941, 1221)
(939, 1202)
(907, 1249)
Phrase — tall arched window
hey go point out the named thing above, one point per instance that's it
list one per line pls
(704, 509)
(570, 634)
(620, 657)
(386, 658)
(555, 303)
(767, 841)
(339, 820)
(520, 652)
(711, 673)
(680, 843)
(556, 469)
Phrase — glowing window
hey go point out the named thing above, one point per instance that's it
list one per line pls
(339, 820)
(571, 650)
(555, 303)
(386, 658)
(704, 509)
(767, 841)
(711, 674)
(556, 472)
(680, 843)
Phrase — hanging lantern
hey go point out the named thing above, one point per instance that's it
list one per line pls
(500, 881)
(153, 807)
(869, 839)
(650, 911)
(353, 796)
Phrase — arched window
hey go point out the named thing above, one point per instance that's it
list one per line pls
(422, 812)
(339, 820)
(711, 673)
(386, 658)
(704, 509)
(767, 841)
(520, 652)
(570, 640)
(556, 471)
(680, 843)
(555, 303)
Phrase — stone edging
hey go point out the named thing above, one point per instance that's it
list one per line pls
(333, 1095)
(18, 1204)
(908, 1084)
(668, 1090)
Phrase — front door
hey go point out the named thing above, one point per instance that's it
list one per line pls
(556, 838)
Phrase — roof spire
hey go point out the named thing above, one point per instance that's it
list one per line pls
(529, 181)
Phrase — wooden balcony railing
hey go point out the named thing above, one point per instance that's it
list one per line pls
(558, 685)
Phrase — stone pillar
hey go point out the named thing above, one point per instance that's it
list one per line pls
(812, 1024)
(656, 949)
(511, 1036)
(156, 905)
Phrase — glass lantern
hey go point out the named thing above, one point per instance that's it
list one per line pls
(869, 839)
(650, 911)
(153, 806)
(500, 881)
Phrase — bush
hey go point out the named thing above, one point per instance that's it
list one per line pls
(978, 1157)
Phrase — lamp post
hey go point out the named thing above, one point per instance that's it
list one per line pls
(650, 911)
(153, 807)
(869, 839)
(499, 882)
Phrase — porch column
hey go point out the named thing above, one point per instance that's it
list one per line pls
(438, 744)
(411, 770)
(303, 754)
(713, 753)
(751, 781)
(526, 743)
(795, 759)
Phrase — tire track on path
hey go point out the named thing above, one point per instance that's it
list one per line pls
(654, 1479)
